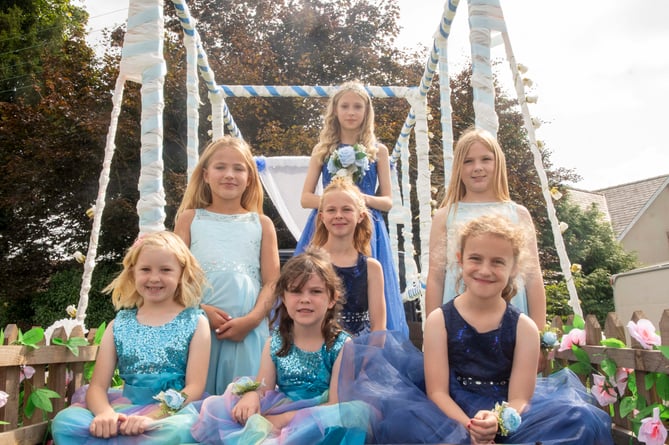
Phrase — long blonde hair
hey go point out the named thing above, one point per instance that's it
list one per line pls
(198, 192)
(363, 230)
(331, 132)
(456, 189)
(500, 227)
(188, 292)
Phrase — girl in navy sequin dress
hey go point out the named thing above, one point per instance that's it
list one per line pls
(344, 229)
(480, 353)
(348, 123)
(160, 342)
(296, 401)
(221, 220)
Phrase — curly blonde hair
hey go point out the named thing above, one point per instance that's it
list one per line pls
(188, 292)
(294, 275)
(500, 227)
(330, 135)
(198, 192)
(456, 189)
(363, 230)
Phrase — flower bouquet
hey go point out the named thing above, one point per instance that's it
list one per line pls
(349, 160)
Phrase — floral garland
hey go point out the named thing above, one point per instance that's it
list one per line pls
(349, 160)
(171, 400)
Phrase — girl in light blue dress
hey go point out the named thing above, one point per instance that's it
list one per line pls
(294, 397)
(348, 132)
(159, 340)
(221, 219)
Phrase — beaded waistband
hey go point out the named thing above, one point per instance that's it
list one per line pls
(471, 381)
(354, 317)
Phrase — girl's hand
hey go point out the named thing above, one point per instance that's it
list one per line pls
(105, 424)
(135, 425)
(236, 329)
(483, 427)
(217, 317)
(247, 406)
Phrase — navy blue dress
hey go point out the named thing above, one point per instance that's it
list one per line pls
(355, 313)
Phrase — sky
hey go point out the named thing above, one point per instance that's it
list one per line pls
(597, 68)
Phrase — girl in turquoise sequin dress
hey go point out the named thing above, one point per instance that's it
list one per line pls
(296, 402)
(348, 122)
(479, 186)
(344, 230)
(160, 342)
(221, 219)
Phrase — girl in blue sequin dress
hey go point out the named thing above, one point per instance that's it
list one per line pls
(221, 219)
(160, 342)
(344, 229)
(296, 402)
(480, 356)
(349, 122)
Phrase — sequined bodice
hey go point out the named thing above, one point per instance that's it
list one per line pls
(481, 361)
(227, 243)
(145, 349)
(355, 313)
(303, 374)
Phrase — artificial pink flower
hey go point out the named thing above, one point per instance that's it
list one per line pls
(652, 431)
(643, 331)
(27, 372)
(574, 337)
(603, 391)
(69, 375)
(3, 398)
(620, 379)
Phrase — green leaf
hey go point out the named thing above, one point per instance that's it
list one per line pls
(33, 336)
(579, 322)
(664, 350)
(29, 410)
(627, 405)
(2, 336)
(99, 333)
(580, 368)
(581, 355)
(613, 343)
(609, 367)
(662, 386)
(649, 380)
(41, 398)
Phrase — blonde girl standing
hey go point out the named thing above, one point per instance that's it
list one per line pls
(344, 229)
(479, 186)
(347, 146)
(221, 219)
(159, 340)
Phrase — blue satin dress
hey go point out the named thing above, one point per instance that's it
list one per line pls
(380, 248)
(151, 359)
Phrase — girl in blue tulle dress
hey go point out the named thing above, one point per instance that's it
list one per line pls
(480, 356)
(294, 397)
(221, 220)
(159, 340)
(344, 229)
(347, 146)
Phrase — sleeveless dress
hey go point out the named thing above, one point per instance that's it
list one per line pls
(303, 380)
(380, 247)
(151, 359)
(387, 373)
(228, 249)
(467, 211)
(354, 316)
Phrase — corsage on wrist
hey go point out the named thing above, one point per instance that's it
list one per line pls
(244, 384)
(171, 400)
(508, 418)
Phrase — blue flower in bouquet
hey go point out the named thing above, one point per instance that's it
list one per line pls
(261, 162)
(171, 400)
(349, 160)
(549, 338)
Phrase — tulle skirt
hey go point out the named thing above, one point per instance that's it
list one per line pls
(314, 423)
(386, 372)
(71, 425)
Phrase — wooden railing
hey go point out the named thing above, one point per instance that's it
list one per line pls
(51, 364)
(642, 361)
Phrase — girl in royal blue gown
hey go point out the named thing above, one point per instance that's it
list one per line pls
(347, 146)
(296, 400)
(344, 230)
(160, 342)
(480, 356)
(221, 219)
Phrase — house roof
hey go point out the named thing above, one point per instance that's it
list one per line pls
(627, 202)
(585, 199)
